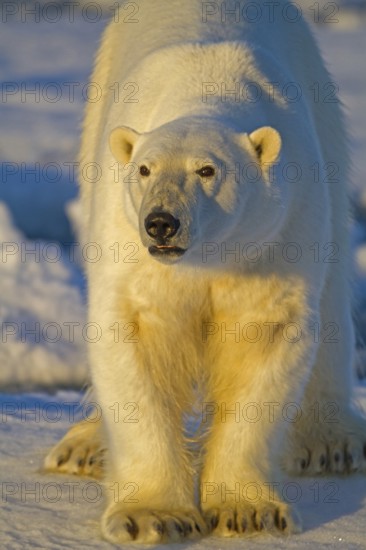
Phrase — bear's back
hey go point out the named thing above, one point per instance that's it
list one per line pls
(143, 27)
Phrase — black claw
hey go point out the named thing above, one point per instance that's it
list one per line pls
(60, 460)
(178, 528)
(229, 524)
(244, 525)
(197, 527)
(158, 527)
(91, 460)
(349, 459)
(81, 462)
(131, 528)
(214, 521)
(322, 460)
(283, 524)
(337, 457)
(277, 519)
(261, 525)
(303, 464)
(364, 450)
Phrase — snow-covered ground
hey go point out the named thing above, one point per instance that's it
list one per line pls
(44, 66)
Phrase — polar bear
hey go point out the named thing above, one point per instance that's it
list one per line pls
(223, 188)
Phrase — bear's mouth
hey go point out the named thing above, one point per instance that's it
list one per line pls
(165, 250)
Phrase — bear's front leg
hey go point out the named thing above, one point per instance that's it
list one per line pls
(241, 483)
(259, 363)
(149, 479)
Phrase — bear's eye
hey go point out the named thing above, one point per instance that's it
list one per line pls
(144, 171)
(206, 172)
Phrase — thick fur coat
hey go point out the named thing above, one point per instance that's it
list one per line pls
(223, 166)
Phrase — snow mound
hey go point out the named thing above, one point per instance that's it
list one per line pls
(43, 327)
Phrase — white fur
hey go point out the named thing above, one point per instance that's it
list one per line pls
(175, 365)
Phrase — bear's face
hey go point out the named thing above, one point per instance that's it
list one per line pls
(192, 182)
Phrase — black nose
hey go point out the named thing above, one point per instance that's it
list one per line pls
(161, 225)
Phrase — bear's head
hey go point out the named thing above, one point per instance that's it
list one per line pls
(195, 181)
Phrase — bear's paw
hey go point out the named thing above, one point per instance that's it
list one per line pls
(121, 525)
(244, 519)
(80, 452)
(337, 447)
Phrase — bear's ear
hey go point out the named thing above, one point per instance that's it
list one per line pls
(121, 142)
(267, 144)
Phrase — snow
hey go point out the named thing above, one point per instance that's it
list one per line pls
(43, 315)
(44, 372)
